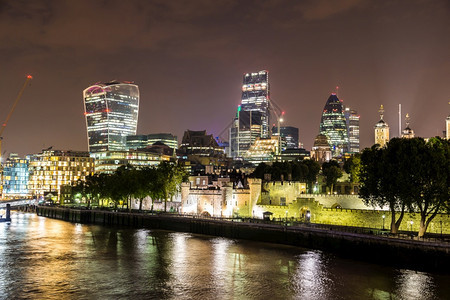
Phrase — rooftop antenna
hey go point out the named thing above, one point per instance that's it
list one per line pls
(337, 91)
(399, 120)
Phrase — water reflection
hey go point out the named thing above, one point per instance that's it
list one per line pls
(311, 280)
(50, 259)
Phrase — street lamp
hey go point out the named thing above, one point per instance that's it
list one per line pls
(383, 220)
(411, 223)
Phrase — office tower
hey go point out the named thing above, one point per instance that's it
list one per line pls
(253, 115)
(200, 144)
(352, 121)
(289, 136)
(381, 130)
(15, 177)
(333, 125)
(407, 133)
(111, 111)
(51, 169)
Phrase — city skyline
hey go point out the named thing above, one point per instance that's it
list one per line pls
(188, 60)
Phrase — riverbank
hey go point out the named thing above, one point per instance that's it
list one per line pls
(421, 255)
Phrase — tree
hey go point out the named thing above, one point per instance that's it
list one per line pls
(381, 183)
(429, 188)
(352, 166)
(170, 176)
(332, 173)
(313, 168)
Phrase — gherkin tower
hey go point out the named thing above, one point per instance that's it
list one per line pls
(334, 126)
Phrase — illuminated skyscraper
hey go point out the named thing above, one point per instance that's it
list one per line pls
(333, 125)
(111, 111)
(253, 115)
(15, 176)
(352, 121)
(381, 130)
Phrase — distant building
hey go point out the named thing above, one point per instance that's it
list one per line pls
(15, 177)
(263, 150)
(289, 136)
(381, 130)
(253, 115)
(334, 126)
(52, 169)
(109, 161)
(295, 154)
(321, 151)
(199, 143)
(145, 140)
(407, 133)
(352, 121)
(111, 111)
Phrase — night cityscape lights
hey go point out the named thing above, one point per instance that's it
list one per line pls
(111, 111)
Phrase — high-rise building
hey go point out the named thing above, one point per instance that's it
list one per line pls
(111, 111)
(352, 121)
(381, 130)
(289, 136)
(407, 133)
(334, 127)
(15, 177)
(253, 116)
(52, 169)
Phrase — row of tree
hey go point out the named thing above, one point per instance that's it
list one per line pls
(161, 182)
(408, 175)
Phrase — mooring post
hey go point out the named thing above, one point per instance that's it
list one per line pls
(8, 212)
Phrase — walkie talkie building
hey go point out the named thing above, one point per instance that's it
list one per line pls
(111, 110)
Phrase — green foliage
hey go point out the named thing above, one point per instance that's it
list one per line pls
(407, 174)
(352, 166)
(161, 182)
(332, 172)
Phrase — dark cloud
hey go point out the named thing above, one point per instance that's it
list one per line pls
(188, 58)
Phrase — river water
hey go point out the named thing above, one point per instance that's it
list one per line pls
(43, 258)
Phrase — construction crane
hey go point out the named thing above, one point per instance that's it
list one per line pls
(29, 77)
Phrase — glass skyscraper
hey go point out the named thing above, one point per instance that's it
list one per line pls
(352, 120)
(253, 116)
(15, 176)
(111, 111)
(334, 127)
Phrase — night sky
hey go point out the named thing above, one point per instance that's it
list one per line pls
(188, 58)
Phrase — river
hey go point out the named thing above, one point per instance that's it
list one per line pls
(43, 258)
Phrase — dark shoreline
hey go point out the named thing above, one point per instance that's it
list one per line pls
(403, 253)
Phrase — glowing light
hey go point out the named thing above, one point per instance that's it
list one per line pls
(29, 77)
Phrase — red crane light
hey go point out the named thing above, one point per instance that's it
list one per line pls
(29, 77)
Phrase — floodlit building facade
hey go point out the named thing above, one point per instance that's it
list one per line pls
(15, 177)
(253, 115)
(381, 130)
(263, 150)
(352, 121)
(321, 151)
(52, 169)
(111, 110)
(333, 125)
(109, 161)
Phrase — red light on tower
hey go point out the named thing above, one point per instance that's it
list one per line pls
(282, 113)
(29, 77)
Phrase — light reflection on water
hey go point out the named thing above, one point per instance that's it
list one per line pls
(51, 259)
